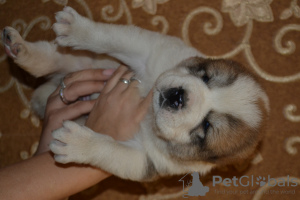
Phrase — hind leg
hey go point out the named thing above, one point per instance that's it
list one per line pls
(43, 58)
(38, 58)
(13, 43)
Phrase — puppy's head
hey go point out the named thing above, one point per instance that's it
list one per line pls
(209, 110)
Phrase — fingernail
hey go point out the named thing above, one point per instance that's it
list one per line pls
(108, 72)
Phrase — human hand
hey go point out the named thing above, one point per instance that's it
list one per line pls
(80, 83)
(119, 109)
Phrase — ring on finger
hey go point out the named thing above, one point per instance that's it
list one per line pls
(62, 84)
(135, 79)
(123, 80)
(61, 93)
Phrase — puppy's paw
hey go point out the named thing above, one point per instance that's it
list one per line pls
(70, 28)
(72, 143)
(13, 43)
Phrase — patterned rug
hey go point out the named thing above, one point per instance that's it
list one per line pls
(262, 34)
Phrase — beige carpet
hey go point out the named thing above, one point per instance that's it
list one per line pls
(262, 34)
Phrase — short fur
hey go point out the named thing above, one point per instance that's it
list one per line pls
(205, 112)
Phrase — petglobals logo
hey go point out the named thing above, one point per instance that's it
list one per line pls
(196, 188)
(192, 186)
(246, 181)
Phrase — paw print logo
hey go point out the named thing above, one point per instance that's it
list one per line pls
(260, 181)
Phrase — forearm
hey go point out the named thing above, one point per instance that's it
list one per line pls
(27, 180)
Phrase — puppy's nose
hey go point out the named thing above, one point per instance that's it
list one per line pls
(172, 98)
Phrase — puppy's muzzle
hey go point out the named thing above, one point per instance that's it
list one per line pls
(172, 98)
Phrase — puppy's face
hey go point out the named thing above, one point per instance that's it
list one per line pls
(208, 110)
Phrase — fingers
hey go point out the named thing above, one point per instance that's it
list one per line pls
(134, 85)
(82, 88)
(124, 82)
(121, 80)
(93, 75)
(81, 83)
(72, 93)
(72, 111)
(113, 81)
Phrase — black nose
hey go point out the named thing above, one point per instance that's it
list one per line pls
(172, 98)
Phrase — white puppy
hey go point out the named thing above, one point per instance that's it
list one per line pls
(205, 112)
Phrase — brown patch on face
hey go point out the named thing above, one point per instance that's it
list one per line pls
(235, 141)
(225, 144)
(229, 139)
(215, 72)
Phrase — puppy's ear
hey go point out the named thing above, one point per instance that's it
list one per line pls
(192, 61)
(195, 65)
(196, 59)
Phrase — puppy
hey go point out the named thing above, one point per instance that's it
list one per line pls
(205, 112)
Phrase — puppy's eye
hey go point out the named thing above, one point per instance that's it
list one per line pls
(206, 124)
(205, 78)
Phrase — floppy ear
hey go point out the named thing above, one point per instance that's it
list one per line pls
(195, 59)
(192, 62)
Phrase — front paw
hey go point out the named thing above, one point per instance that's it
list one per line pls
(72, 143)
(70, 28)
